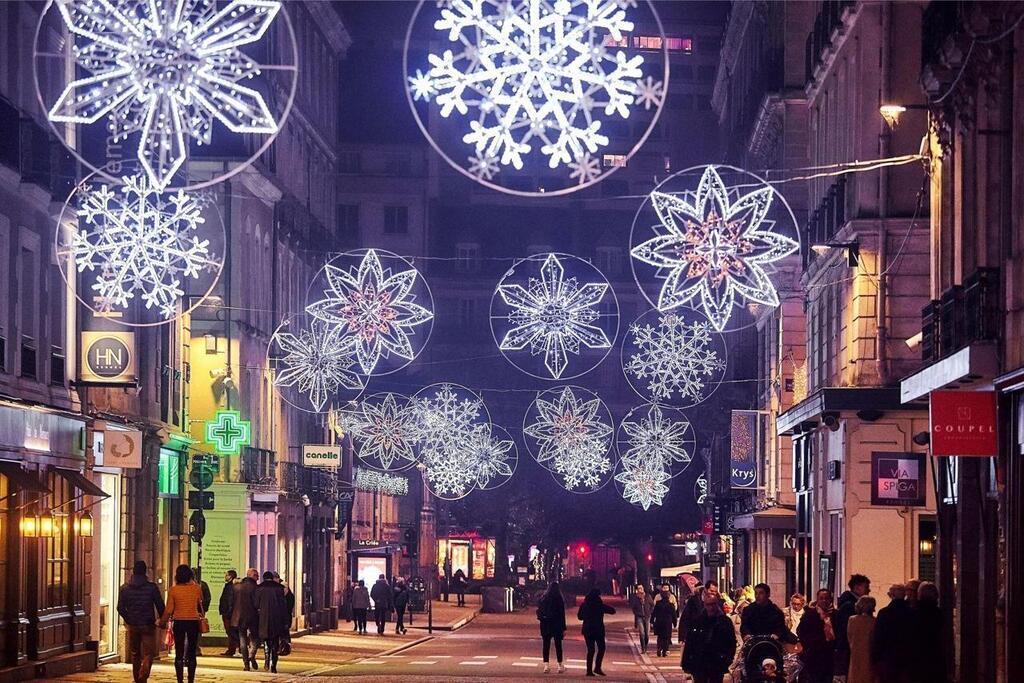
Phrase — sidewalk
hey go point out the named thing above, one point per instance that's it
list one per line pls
(448, 617)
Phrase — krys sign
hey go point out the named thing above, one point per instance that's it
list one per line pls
(963, 423)
(321, 456)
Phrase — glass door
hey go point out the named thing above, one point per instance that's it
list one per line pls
(108, 529)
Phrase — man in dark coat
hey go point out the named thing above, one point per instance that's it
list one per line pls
(818, 639)
(663, 619)
(401, 601)
(892, 640)
(764, 618)
(710, 640)
(225, 606)
(245, 618)
(140, 605)
(382, 602)
(859, 586)
(272, 609)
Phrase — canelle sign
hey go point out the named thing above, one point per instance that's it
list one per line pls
(964, 423)
(321, 456)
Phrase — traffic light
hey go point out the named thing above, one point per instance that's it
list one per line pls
(582, 550)
(410, 536)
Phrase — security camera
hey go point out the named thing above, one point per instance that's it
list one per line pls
(831, 420)
(915, 341)
(922, 438)
(229, 384)
(163, 435)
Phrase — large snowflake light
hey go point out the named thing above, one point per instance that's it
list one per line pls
(373, 308)
(553, 315)
(165, 70)
(316, 362)
(384, 429)
(658, 434)
(677, 359)
(571, 431)
(713, 246)
(643, 482)
(536, 77)
(491, 456)
(447, 417)
(138, 241)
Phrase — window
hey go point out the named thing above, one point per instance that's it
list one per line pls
(348, 217)
(684, 45)
(169, 474)
(57, 571)
(647, 42)
(609, 260)
(613, 160)
(28, 315)
(468, 257)
(349, 162)
(396, 220)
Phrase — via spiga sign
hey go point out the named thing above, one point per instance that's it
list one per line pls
(314, 455)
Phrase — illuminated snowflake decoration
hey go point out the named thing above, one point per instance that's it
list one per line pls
(374, 309)
(166, 70)
(643, 482)
(554, 315)
(447, 416)
(700, 489)
(316, 362)
(572, 438)
(140, 241)
(381, 482)
(385, 430)
(535, 75)
(674, 361)
(712, 248)
(652, 435)
(490, 457)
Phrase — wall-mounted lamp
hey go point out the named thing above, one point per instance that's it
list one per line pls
(29, 526)
(83, 525)
(927, 546)
(892, 112)
(852, 251)
(47, 525)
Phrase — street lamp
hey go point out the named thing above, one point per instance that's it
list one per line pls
(852, 250)
(892, 112)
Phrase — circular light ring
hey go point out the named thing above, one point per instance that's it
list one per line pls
(379, 302)
(675, 358)
(710, 238)
(549, 316)
(132, 254)
(657, 433)
(311, 366)
(384, 431)
(214, 90)
(504, 125)
(644, 484)
(498, 479)
(569, 431)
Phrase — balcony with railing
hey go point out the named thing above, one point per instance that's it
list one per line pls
(963, 315)
(258, 469)
(828, 20)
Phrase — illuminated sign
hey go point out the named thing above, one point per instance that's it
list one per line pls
(963, 423)
(107, 358)
(227, 432)
(898, 479)
(321, 455)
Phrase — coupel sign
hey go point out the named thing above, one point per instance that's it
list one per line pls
(963, 423)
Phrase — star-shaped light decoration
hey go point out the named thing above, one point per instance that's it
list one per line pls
(643, 483)
(713, 247)
(700, 489)
(536, 77)
(384, 429)
(165, 70)
(373, 308)
(553, 315)
(651, 434)
(571, 433)
(491, 457)
(317, 362)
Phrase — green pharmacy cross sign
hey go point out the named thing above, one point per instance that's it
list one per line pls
(227, 432)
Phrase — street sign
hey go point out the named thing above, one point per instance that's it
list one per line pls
(197, 526)
(200, 500)
(201, 476)
(716, 559)
(321, 455)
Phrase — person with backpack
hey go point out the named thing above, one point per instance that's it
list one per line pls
(140, 605)
(551, 615)
(591, 613)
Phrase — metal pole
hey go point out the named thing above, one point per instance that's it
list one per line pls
(430, 606)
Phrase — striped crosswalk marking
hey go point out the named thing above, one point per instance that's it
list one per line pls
(475, 662)
(485, 656)
(423, 661)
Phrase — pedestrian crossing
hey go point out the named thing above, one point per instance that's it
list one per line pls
(487, 660)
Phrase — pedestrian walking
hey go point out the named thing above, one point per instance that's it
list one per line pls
(360, 605)
(140, 605)
(591, 613)
(892, 641)
(272, 609)
(663, 620)
(858, 586)
(859, 630)
(245, 619)
(285, 647)
(691, 606)
(185, 607)
(346, 607)
(818, 640)
(551, 615)
(207, 601)
(381, 596)
(642, 606)
(460, 587)
(928, 649)
(709, 644)
(225, 606)
(400, 599)
(794, 612)
(762, 617)
(447, 565)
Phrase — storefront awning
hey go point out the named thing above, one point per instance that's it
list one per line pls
(84, 486)
(972, 367)
(771, 518)
(808, 413)
(22, 479)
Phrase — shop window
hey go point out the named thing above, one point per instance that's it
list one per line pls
(4, 540)
(169, 474)
(675, 44)
(57, 570)
(614, 160)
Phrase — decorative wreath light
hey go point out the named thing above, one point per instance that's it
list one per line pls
(312, 364)
(659, 434)
(158, 74)
(568, 430)
(712, 246)
(675, 358)
(135, 253)
(535, 82)
(566, 323)
(384, 431)
(372, 298)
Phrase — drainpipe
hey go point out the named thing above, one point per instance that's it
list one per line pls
(884, 144)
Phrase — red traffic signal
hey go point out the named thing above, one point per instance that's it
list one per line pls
(582, 550)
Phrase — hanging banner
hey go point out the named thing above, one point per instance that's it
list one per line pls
(898, 479)
(743, 449)
(964, 423)
(122, 449)
(107, 358)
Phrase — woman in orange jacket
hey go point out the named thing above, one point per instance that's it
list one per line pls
(185, 607)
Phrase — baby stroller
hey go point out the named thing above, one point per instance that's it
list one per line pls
(756, 650)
